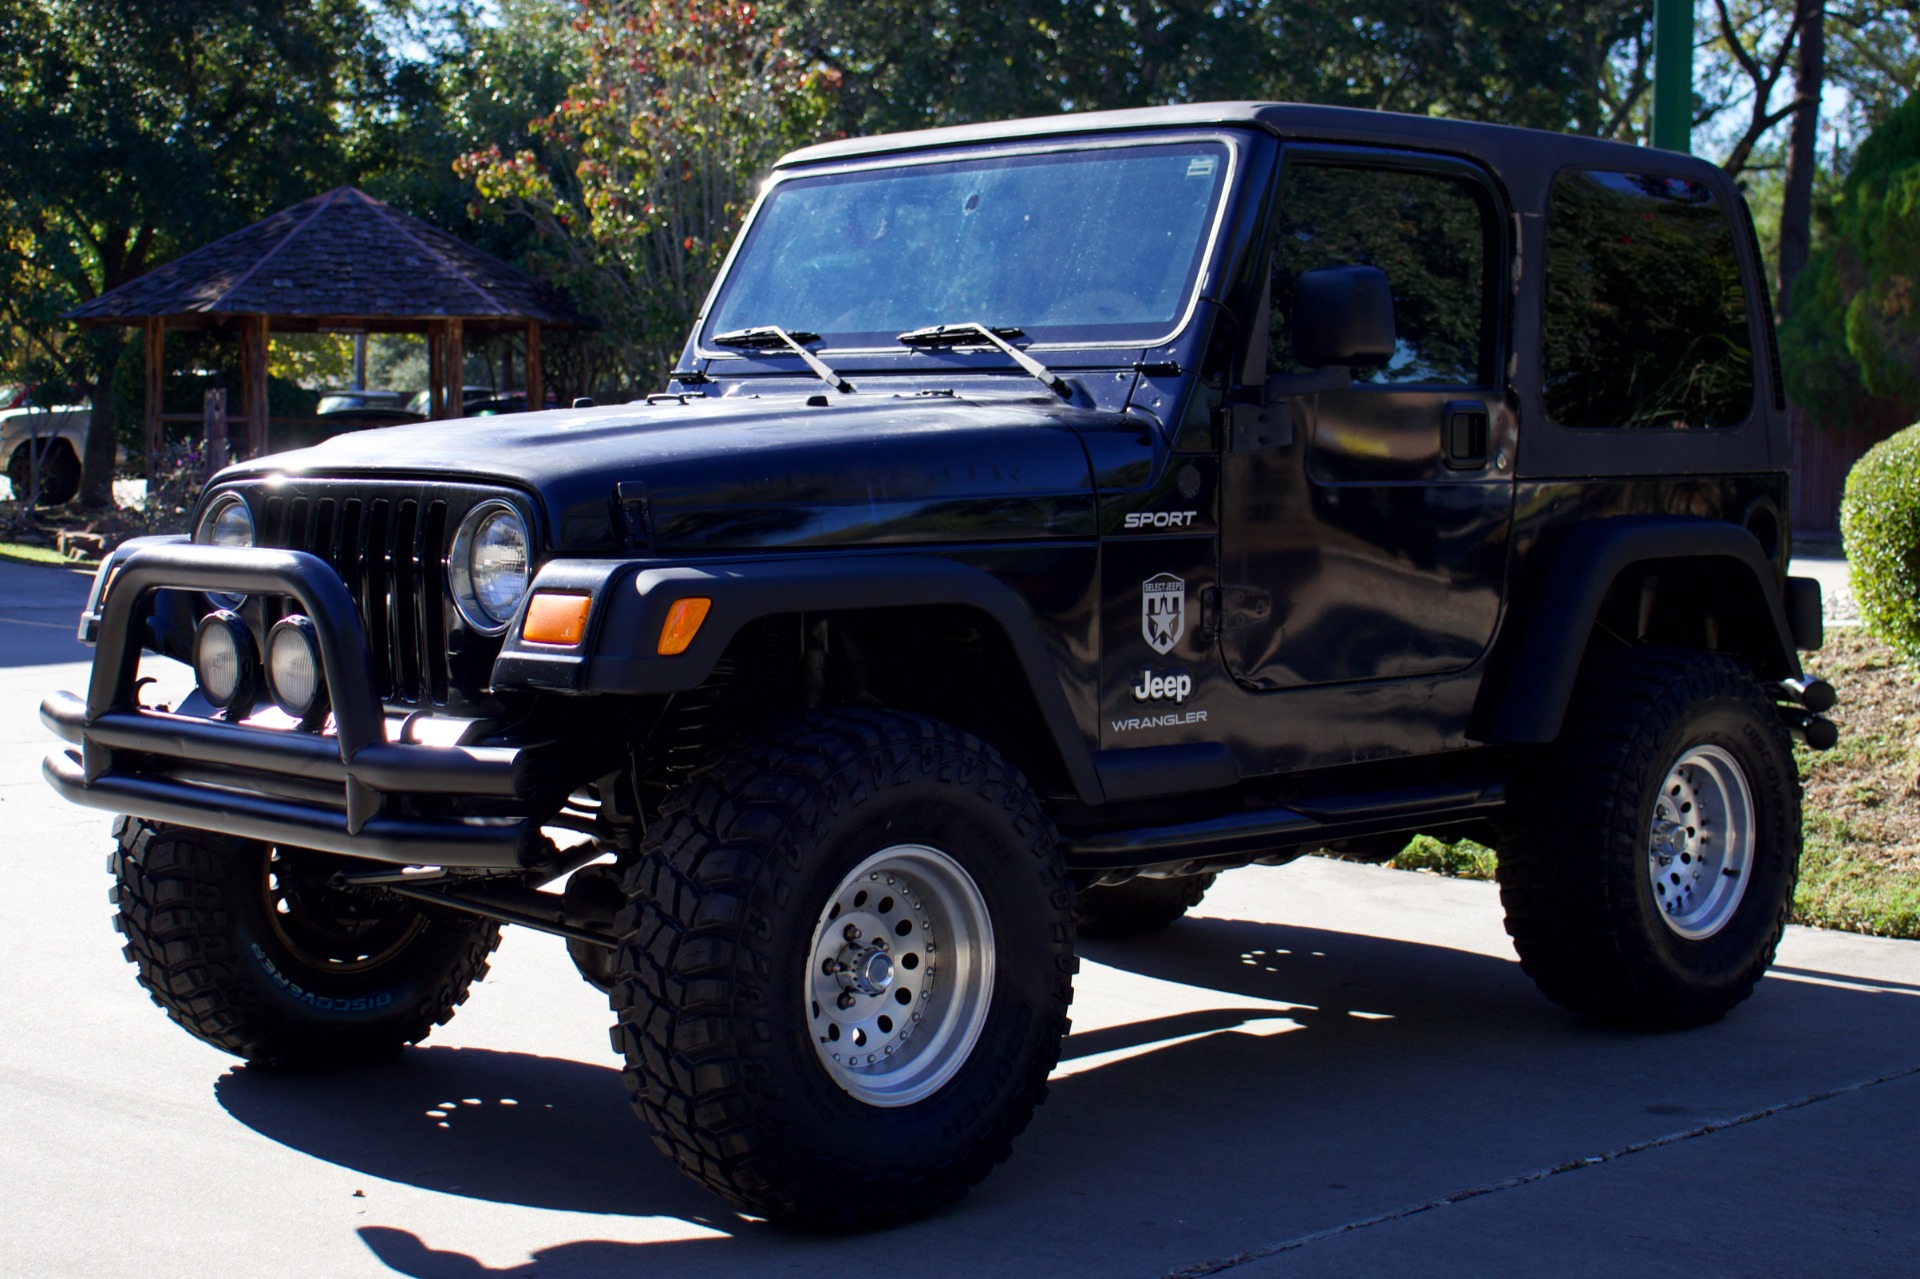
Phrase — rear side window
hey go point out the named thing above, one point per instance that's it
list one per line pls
(1646, 317)
(1434, 236)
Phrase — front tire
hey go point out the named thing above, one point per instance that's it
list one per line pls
(1649, 864)
(845, 968)
(249, 948)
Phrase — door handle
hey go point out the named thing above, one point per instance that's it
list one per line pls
(1463, 435)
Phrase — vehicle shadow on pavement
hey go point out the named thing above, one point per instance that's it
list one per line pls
(543, 1132)
(1343, 1074)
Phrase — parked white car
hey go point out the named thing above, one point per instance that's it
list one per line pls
(59, 435)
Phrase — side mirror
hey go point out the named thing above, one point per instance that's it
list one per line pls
(1342, 316)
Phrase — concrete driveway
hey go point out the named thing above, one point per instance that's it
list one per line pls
(1331, 1070)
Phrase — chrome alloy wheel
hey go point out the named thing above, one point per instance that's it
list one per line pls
(1700, 842)
(900, 975)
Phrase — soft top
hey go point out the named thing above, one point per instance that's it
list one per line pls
(1504, 144)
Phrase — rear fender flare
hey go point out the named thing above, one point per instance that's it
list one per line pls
(1529, 704)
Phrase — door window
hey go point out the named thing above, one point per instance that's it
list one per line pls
(1646, 317)
(1435, 237)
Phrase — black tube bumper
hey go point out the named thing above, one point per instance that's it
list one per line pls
(343, 794)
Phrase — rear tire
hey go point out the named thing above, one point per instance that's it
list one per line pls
(1648, 864)
(781, 1055)
(247, 947)
(1137, 907)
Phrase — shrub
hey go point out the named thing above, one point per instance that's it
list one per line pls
(1462, 859)
(1880, 523)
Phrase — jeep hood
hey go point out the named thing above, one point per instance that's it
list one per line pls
(745, 472)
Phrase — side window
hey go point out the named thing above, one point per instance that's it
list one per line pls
(1434, 236)
(1646, 317)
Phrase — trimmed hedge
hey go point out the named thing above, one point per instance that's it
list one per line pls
(1880, 524)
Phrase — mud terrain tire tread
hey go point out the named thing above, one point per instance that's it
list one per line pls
(174, 893)
(1573, 847)
(702, 1002)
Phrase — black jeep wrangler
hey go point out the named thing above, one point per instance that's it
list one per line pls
(1043, 518)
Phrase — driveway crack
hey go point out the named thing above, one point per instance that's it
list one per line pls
(1711, 1126)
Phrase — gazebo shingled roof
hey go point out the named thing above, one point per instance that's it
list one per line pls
(341, 256)
(341, 260)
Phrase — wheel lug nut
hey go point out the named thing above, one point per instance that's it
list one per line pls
(846, 999)
(851, 932)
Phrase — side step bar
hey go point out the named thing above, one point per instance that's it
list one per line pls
(1281, 830)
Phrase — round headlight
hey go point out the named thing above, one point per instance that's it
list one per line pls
(293, 670)
(227, 522)
(489, 567)
(225, 664)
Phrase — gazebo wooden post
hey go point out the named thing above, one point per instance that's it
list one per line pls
(156, 338)
(536, 388)
(456, 368)
(436, 370)
(253, 381)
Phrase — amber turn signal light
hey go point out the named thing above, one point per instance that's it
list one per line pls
(683, 623)
(556, 619)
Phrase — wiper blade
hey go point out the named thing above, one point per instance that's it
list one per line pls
(771, 337)
(969, 333)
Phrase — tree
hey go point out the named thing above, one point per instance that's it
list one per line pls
(1549, 65)
(1855, 326)
(141, 128)
(639, 178)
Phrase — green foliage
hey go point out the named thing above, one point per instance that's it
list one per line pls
(1854, 326)
(912, 65)
(137, 129)
(1462, 859)
(650, 162)
(1880, 523)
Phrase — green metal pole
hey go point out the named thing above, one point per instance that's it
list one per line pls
(1673, 74)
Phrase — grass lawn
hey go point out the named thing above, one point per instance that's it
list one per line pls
(1861, 867)
(22, 553)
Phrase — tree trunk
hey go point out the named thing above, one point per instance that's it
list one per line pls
(103, 439)
(1796, 207)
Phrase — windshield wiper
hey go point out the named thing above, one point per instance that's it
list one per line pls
(771, 337)
(969, 333)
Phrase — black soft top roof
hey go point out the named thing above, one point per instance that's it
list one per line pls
(1504, 147)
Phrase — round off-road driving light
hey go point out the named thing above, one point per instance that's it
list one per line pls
(225, 663)
(227, 522)
(488, 566)
(293, 670)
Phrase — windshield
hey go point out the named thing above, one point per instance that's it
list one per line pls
(1100, 245)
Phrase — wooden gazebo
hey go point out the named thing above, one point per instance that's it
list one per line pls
(345, 262)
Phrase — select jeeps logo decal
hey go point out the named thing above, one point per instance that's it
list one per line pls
(325, 1003)
(1163, 686)
(1163, 611)
(1161, 519)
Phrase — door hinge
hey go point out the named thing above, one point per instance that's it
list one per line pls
(1228, 608)
(1254, 428)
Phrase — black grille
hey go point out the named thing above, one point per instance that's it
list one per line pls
(388, 543)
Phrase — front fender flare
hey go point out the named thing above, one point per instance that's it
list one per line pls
(631, 600)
